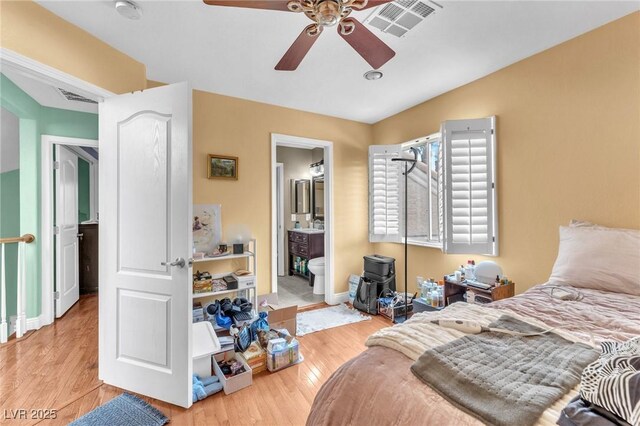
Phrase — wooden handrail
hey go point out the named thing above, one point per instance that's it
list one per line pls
(26, 238)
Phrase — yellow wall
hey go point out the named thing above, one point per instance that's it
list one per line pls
(568, 138)
(231, 126)
(564, 116)
(33, 31)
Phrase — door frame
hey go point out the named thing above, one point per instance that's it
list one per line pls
(329, 268)
(280, 224)
(47, 314)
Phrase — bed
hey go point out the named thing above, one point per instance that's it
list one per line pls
(377, 387)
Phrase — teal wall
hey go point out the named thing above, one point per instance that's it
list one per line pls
(10, 227)
(35, 121)
(84, 191)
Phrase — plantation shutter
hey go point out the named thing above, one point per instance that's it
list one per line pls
(469, 187)
(385, 194)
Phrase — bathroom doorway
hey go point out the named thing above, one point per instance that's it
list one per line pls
(301, 221)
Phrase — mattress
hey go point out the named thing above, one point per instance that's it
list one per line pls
(378, 388)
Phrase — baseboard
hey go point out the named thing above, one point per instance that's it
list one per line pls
(340, 298)
(33, 323)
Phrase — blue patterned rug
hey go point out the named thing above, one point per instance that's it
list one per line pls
(123, 410)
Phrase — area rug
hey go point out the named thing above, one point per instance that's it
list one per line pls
(123, 410)
(333, 316)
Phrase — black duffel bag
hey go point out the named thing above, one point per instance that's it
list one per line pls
(368, 292)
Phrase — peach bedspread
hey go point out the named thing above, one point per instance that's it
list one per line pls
(377, 387)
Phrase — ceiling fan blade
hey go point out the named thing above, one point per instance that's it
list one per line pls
(373, 3)
(297, 51)
(252, 4)
(370, 47)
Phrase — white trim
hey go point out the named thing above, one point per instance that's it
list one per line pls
(33, 323)
(306, 143)
(339, 298)
(280, 224)
(46, 220)
(51, 76)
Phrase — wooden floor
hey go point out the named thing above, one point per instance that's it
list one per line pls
(56, 368)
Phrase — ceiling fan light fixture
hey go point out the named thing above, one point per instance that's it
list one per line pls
(128, 9)
(328, 14)
(373, 75)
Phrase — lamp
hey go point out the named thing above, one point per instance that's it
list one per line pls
(407, 170)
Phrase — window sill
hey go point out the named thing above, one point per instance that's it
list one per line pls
(419, 243)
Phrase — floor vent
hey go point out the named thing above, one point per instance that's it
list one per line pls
(399, 17)
(70, 96)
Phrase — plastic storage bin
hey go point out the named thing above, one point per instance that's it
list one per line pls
(205, 343)
(282, 354)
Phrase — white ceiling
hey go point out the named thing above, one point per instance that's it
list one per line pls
(232, 51)
(45, 94)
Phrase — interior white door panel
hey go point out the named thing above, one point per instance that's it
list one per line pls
(145, 222)
(67, 268)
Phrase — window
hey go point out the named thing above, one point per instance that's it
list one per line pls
(424, 218)
(451, 191)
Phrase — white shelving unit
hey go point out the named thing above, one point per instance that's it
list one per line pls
(252, 265)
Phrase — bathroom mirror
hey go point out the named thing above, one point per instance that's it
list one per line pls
(318, 198)
(300, 196)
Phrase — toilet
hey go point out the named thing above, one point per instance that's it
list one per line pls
(316, 267)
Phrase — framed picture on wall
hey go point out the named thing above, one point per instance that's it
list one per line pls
(222, 167)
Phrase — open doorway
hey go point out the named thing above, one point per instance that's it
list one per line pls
(70, 210)
(301, 221)
(58, 175)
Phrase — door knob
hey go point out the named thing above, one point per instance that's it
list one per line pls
(179, 262)
(80, 236)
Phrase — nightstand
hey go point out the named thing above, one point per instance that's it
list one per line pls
(455, 290)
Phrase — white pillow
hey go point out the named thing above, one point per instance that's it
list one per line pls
(599, 258)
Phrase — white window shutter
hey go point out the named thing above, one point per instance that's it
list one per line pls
(385, 194)
(470, 203)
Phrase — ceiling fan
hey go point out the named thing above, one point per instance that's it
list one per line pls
(323, 13)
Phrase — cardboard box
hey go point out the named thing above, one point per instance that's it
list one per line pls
(258, 364)
(237, 382)
(279, 316)
(245, 281)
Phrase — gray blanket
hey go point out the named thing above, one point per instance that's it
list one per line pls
(503, 379)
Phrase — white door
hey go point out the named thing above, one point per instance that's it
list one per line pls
(67, 269)
(280, 214)
(145, 243)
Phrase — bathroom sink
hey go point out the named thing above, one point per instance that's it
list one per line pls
(308, 230)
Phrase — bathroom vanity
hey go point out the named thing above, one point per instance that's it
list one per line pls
(305, 244)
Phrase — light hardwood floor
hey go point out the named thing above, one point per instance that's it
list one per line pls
(57, 368)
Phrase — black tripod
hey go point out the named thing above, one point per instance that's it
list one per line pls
(407, 170)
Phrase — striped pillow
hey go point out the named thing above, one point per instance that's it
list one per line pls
(613, 380)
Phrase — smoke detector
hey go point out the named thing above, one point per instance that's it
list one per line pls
(129, 9)
(400, 16)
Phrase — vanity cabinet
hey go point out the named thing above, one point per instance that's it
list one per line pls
(305, 245)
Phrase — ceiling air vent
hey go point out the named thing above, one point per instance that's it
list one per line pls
(70, 96)
(401, 16)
